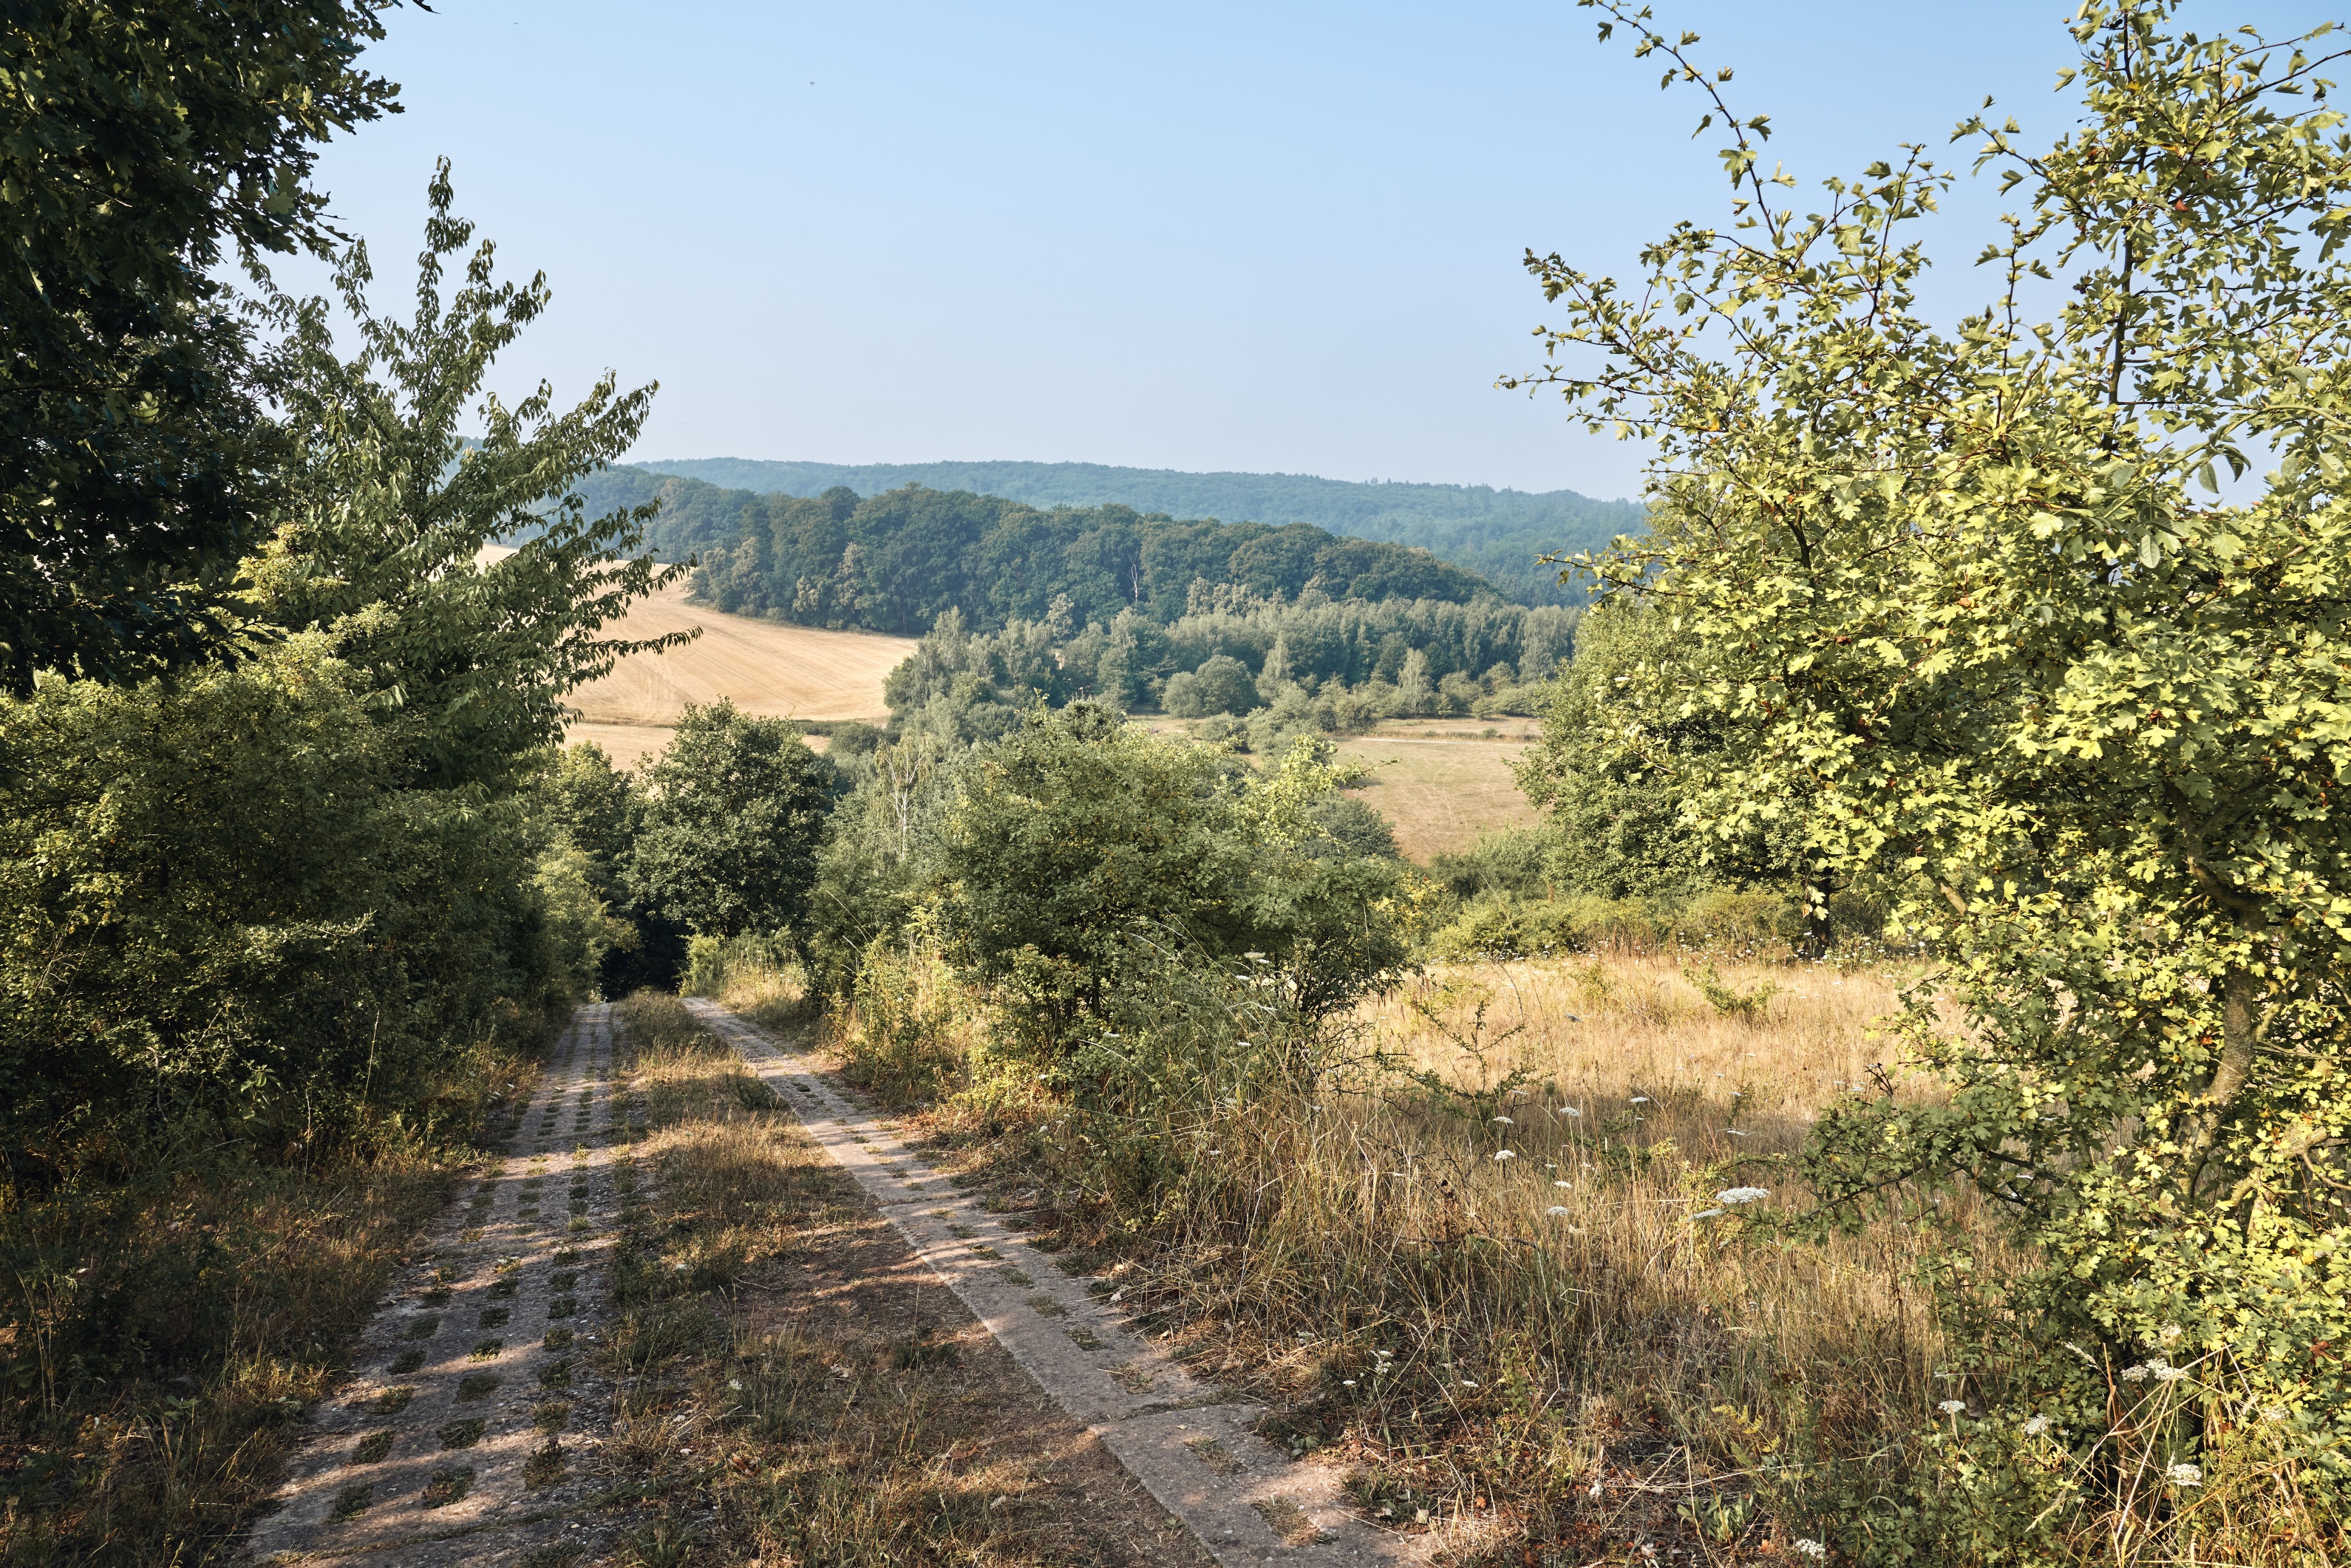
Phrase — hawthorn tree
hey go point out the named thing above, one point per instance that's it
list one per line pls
(1975, 602)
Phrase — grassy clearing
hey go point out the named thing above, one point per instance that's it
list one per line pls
(793, 1386)
(1441, 793)
(1498, 1294)
(162, 1334)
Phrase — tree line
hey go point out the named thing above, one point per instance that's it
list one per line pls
(896, 561)
(1501, 535)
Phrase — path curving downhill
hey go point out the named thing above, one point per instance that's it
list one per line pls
(466, 1435)
(1249, 1504)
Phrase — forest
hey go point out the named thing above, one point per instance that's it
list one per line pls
(896, 561)
(1501, 535)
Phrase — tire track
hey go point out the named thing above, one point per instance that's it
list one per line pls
(468, 1433)
(1249, 1503)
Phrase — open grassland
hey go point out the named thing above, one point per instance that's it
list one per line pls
(1440, 793)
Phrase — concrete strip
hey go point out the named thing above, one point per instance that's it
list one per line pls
(433, 1454)
(1249, 1503)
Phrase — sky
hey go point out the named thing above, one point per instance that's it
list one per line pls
(1267, 237)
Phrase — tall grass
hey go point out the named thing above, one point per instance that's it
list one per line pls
(164, 1320)
(1474, 1242)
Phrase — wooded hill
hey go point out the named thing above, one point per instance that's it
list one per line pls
(896, 561)
(1497, 534)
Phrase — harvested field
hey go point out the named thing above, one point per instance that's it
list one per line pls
(764, 668)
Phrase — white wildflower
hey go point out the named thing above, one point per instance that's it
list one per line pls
(1953, 1407)
(2134, 1374)
(1469, 1383)
(1556, 1211)
(1500, 1154)
(736, 1384)
(2184, 1476)
(1506, 1121)
(1707, 1214)
(1735, 1196)
(2036, 1427)
(2273, 1413)
(1570, 1111)
(1807, 1547)
(1737, 1134)
(2167, 1374)
(1569, 1184)
(2170, 1333)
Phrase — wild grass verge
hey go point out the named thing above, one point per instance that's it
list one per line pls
(1507, 1244)
(793, 1386)
(163, 1326)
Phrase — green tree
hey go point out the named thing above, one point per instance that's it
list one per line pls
(141, 145)
(1971, 602)
(1620, 759)
(391, 509)
(1078, 835)
(729, 842)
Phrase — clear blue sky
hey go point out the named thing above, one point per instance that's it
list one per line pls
(1267, 236)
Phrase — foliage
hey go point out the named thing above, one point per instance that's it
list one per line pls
(1622, 767)
(1501, 535)
(727, 844)
(1960, 609)
(390, 508)
(218, 908)
(139, 144)
(1503, 926)
(596, 811)
(1310, 667)
(1077, 835)
(896, 562)
(272, 933)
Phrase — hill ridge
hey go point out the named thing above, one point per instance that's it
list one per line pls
(1496, 532)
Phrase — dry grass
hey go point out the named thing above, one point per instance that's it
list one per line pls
(161, 1337)
(1441, 794)
(796, 1385)
(1487, 1340)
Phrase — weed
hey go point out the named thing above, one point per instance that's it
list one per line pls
(461, 1434)
(448, 1485)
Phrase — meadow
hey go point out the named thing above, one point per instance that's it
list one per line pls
(1525, 1254)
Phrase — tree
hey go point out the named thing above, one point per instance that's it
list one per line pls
(1620, 755)
(1222, 685)
(1078, 835)
(1967, 612)
(389, 509)
(139, 145)
(728, 845)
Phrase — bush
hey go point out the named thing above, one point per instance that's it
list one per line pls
(1497, 925)
(1223, 685)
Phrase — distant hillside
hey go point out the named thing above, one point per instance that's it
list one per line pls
(1497, 534)
(895, 561)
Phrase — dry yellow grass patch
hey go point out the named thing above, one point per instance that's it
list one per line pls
(798, 1384)
(1441, 794)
